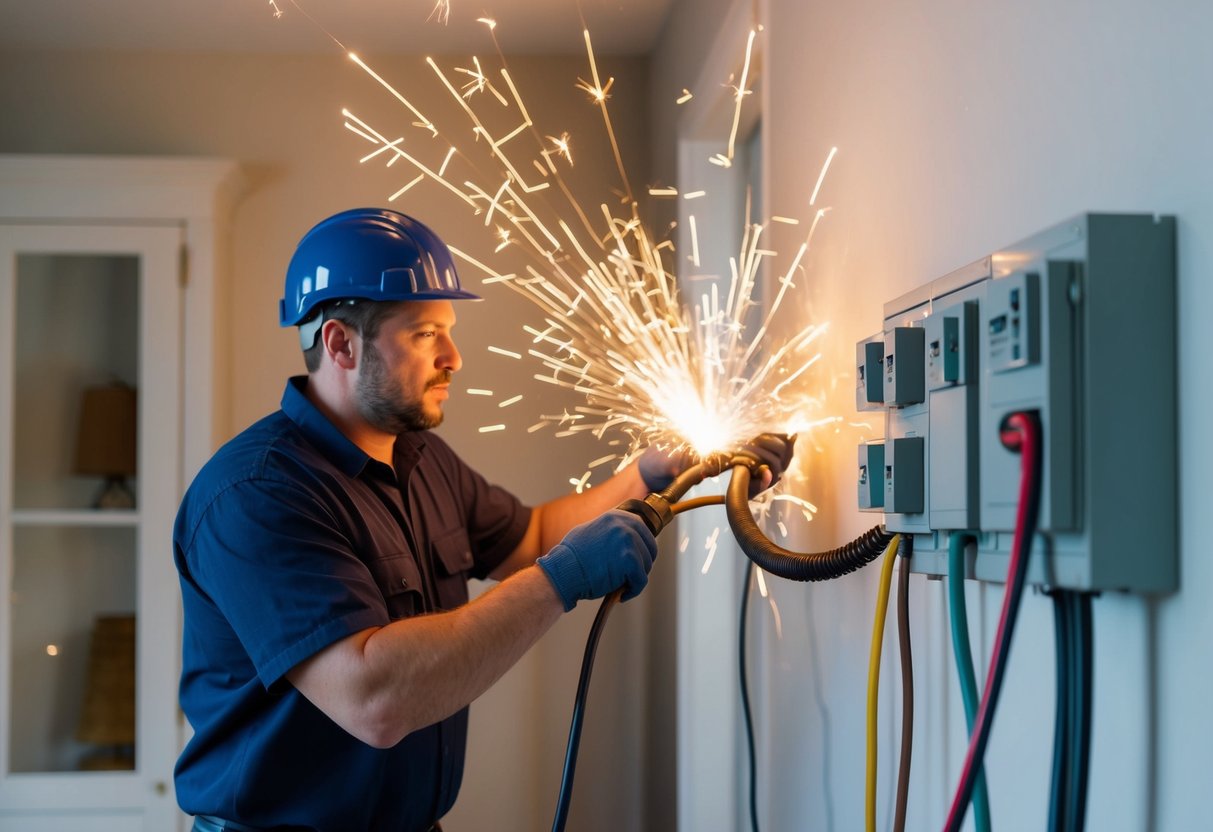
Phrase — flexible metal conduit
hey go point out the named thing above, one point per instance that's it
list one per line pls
(796, 566)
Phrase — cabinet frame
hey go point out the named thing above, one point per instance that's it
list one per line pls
(103, 205)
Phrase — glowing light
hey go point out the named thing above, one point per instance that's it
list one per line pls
(740, 92)
(510, 401)
(492, 428)
(441, 11)
(476, 391)
(506, 353)
(710, 545)
(821, 177)
(277, 13)
(685, 97)
(53, 649)
(778, 618)
(562, 146)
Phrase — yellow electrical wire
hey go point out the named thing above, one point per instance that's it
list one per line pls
(882, 605)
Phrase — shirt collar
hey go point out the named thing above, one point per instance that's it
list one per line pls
(335, 445)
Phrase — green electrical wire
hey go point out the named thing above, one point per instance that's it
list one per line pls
(963, 652)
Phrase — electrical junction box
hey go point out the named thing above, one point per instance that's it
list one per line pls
(871, 476)
(1077, 323)
(869, 374)
(903, 367)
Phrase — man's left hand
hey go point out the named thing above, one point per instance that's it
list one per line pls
(774, 452)
(659, 467)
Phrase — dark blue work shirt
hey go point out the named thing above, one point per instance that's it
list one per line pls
(290, 539)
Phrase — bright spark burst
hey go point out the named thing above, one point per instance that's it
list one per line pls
(441, 11)
(698, 372)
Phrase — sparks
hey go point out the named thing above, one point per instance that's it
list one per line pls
(562, 146)
(441, 12)
(613, 323)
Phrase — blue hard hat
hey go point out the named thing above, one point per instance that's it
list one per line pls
(368, 254)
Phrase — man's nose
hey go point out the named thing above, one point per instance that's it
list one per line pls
(449, 358)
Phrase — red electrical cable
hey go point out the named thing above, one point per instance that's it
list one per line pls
(1019, 432)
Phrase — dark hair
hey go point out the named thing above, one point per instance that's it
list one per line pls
(364, 316)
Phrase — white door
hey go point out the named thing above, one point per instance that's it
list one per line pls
(90, 334)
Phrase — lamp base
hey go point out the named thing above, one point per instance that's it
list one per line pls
(115, 494)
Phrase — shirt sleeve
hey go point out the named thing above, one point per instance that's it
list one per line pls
(271, 558)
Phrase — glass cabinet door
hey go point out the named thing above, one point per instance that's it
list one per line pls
(90, 473)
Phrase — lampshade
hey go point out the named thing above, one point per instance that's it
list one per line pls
(107, 716)
(106, 440)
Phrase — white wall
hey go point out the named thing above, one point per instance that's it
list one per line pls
(963, 127)
(279, 116)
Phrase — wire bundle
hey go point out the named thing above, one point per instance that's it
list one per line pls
(1021, 432)
(1072, 724)
(963, 653)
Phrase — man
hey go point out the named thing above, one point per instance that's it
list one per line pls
(330, 651)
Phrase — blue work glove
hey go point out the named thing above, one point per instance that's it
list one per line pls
(774, 451)
(596, 558)
(659, 467)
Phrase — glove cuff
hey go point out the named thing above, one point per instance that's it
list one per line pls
(655, 482)
(562, 572)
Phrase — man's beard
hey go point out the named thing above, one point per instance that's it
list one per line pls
(383, 404)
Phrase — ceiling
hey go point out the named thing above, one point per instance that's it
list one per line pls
(627, 27)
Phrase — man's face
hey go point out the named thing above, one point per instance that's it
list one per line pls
(406, 370)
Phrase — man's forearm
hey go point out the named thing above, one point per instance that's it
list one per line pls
(551, 521)
(383, 683)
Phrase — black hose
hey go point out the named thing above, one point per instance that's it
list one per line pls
(583, 688)
(796, 566)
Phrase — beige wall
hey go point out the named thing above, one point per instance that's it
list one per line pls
(962, 128)
(280, 118)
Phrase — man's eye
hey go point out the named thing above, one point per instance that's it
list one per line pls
(429, 333)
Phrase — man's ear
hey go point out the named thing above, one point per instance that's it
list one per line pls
(341, 344)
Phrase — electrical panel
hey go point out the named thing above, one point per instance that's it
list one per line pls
(1078, 324)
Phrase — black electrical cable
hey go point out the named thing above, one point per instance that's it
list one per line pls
(907, 691)
(656, 510)
(1059, 786)
(1080, 712)
(654, 517)
(1072, 727)
(583, 688)
(745, 695)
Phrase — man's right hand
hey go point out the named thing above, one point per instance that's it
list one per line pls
(612, 551)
